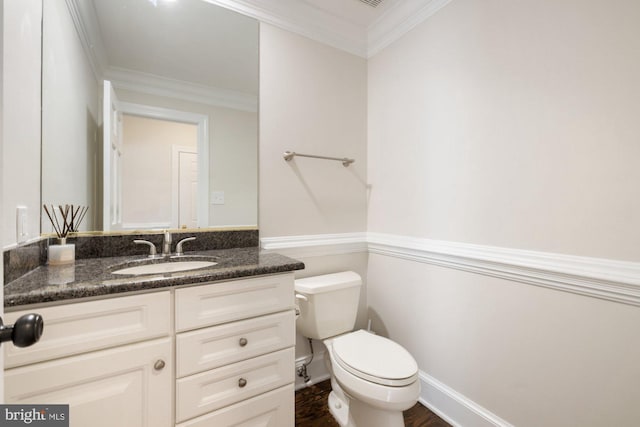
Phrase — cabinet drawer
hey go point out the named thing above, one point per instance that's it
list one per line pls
(201, 393)
(115, 387)
(228, 301)
(77, 328)
(272, 409)
(209, 348)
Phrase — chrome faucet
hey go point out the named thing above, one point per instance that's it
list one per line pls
(166, 245)
(179, 251)
(152, 247)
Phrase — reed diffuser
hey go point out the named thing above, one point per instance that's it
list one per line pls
(70, 219)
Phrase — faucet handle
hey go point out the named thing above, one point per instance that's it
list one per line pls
(179, 245)
(152, 247)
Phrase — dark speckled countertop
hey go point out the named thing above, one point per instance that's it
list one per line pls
(93, 277)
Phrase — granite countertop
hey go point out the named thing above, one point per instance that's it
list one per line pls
(93, 277)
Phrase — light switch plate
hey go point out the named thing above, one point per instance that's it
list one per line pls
(217, 197)
(22, 224)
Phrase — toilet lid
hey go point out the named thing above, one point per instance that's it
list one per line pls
(375, 358)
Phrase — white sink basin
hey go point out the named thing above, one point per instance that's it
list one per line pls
(164, 267)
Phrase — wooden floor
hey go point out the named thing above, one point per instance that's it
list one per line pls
(312, 410)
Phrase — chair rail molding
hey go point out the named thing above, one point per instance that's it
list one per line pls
(316, 244)
(607, 279)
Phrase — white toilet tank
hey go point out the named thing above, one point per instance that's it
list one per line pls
(328, 304)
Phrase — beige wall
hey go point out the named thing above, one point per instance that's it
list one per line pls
(511, 124)
(533, 356)
(21, 121)
(313, 101)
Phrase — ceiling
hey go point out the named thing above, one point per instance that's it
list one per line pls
(187, 40)
(354, 11)
(350, 25)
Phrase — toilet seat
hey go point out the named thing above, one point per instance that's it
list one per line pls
(376, 359)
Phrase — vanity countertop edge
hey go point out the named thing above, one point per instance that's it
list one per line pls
(94, 278)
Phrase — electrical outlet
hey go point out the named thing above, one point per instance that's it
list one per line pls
(22, 224)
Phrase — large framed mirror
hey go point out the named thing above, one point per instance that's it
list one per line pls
(150, 113)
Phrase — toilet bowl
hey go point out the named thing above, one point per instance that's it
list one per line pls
(378, 378)
(373, 378)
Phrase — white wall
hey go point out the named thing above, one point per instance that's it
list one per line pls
(233, 156)
(70, 118)
(511, 124)
(21, 120)
(313, 101)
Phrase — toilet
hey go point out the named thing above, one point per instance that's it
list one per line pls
(373, 379)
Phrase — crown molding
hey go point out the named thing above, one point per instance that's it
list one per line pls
(85, 22)
(178, 89)
(291, 15)
(304, 19)
(398, 21)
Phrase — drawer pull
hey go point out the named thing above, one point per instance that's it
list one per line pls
(159, 365)
(242, 382)
(243, 342)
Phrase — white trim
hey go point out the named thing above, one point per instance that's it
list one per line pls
(291, 15)
(606, 279)
(453, 407)
(161, 86)
(146, 226)
(611, 280)
(316, 245)
(202, 121)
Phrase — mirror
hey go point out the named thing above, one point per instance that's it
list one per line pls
(149, 113)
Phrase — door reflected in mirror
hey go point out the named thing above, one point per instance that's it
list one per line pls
(173, 142)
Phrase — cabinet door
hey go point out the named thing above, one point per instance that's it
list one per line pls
(116, 387)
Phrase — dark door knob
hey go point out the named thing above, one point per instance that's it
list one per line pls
(26, 331)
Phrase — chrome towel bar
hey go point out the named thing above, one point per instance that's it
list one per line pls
(288, 155)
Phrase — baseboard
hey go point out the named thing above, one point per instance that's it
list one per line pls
(453, 407)
(448, 404)
(316, 370)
